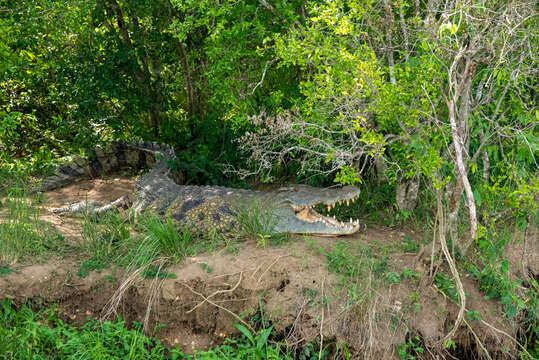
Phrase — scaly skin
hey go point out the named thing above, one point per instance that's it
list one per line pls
(203, 207)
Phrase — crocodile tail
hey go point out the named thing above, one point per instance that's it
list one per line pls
(106, 159)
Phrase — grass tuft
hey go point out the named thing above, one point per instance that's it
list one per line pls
(167, 239)
(22, 233)
(259, 222)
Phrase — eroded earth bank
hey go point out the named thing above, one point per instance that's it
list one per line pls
(372, 292)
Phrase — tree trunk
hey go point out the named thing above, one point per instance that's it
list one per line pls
(454, 206)
(407, 192)
(458, 144)
(191, 107)
(389, 42)
(381, 167)
(148, 88)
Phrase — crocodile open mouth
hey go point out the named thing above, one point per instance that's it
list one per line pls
(308, 214)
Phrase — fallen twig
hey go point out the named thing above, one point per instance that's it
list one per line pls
(217, 293)
(218, 306)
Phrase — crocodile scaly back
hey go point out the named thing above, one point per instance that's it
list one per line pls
(106, 159)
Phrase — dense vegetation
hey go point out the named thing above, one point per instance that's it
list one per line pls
(29, 334)
(429, 106)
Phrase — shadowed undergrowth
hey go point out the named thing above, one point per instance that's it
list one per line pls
(29, 334)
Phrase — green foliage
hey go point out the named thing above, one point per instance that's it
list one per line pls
(496, 284)
(25, 334)
(5, 270)
(156, 272)
(446, 286)
(257, 221)
(23, 234)
(206, 268)
(395, 278)
(491, 271)
(169, 240)
(410, 245)
(473, 315)
(410, 274)
(340, 261)
(125, 69)
(312, 352)
(392, 278)
(412, 348)
(329, 130)
(101, 240)
(149, 244)
(87, 266)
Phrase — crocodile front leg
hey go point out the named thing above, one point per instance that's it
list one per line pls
(95, 208)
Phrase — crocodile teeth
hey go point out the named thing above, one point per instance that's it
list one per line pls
(347, 202)
(329, 207)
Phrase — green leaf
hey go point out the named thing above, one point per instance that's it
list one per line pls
(504, 267)
(263, 337)
(245, 332)
(477, 197)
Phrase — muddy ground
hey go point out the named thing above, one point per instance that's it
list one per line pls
(290, 285)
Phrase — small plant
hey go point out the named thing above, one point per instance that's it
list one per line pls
(259, 343)
(262, 240)
(310, 294)
(25, 334)
(311, 351)
(340, 261)
(446, 286)
(415, 302)
(5, 270)
(159, 239)
(257, 221)
(392, 278)
(206, 268)
(473, 315)
(410, 274)
(495, 282)
(380, 266)
(409, 245)
(411, 348)
(156, 272)
(87, 266)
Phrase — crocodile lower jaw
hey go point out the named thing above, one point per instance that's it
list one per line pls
(309, 215)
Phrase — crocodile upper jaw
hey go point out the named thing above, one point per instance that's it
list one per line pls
(303, 219)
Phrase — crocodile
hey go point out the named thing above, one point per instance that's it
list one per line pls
(201, 207)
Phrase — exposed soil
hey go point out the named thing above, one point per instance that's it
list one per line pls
(291, 284)
(104, 190)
